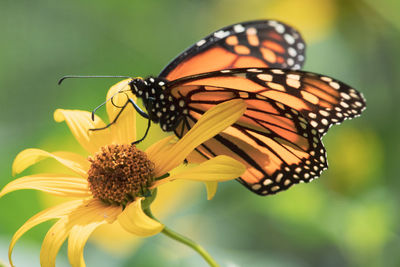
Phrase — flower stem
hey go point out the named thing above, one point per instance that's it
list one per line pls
(184, 240)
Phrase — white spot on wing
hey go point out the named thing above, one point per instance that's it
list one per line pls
(314, 123)
(334, 85)
(277, 71)
(344, 104)
(292, 52)
(279, 28)
(293, 76)
(293, 83)
(238, 28)
(254, 70)
(267, 181)
(265, 77)
(272, 22)
(275, 188)
(201, 42)
(251, 31)
(345, 96)
(358, 103)
(289, 38)
(324, 113)
(326, 79)
(221, 34)
(256, 186)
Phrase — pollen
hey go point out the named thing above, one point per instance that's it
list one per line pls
(119, 173)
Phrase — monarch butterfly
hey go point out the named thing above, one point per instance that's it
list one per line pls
(288, 111)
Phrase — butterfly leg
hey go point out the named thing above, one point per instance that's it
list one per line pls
(145, 134)
(150, 103)
(129, 101)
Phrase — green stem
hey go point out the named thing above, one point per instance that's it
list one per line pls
(184, 240)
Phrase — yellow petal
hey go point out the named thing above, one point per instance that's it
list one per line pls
(80, 123)
(114, 239)
(28, 157)
(155, 148)
(81, 160)
(56, 184)
(52, 242)
(48, 214)
(81, 231)
(76, 242)
(211, 189)
(135, 221)
(90, 212)
(195, 157)
(124, 130)
(218, 169)
(210, 124)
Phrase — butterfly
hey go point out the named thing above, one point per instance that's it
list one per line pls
(288, 110)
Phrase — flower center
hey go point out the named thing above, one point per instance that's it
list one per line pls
(119, 173)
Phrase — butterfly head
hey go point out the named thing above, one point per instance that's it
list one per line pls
(161, 106)
(138, 86)
(148, 88)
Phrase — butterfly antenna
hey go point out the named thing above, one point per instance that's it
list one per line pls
(99, 106)
(105, 102)
(91, 76)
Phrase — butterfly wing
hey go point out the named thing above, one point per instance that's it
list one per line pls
(261, 43)
(278, 137)
(322, 100)
(278, 152)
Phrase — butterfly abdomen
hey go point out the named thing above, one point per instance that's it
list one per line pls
(161, 106)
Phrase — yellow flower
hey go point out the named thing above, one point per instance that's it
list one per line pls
(118, 181)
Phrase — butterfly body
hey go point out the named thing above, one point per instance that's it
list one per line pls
(161, 107)
(288, 110)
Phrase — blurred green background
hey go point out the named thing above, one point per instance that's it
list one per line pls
(348, 217)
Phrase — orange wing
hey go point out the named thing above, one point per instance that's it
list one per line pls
(278, 137)
(278, 151)
(262, 43)
(322, 100)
